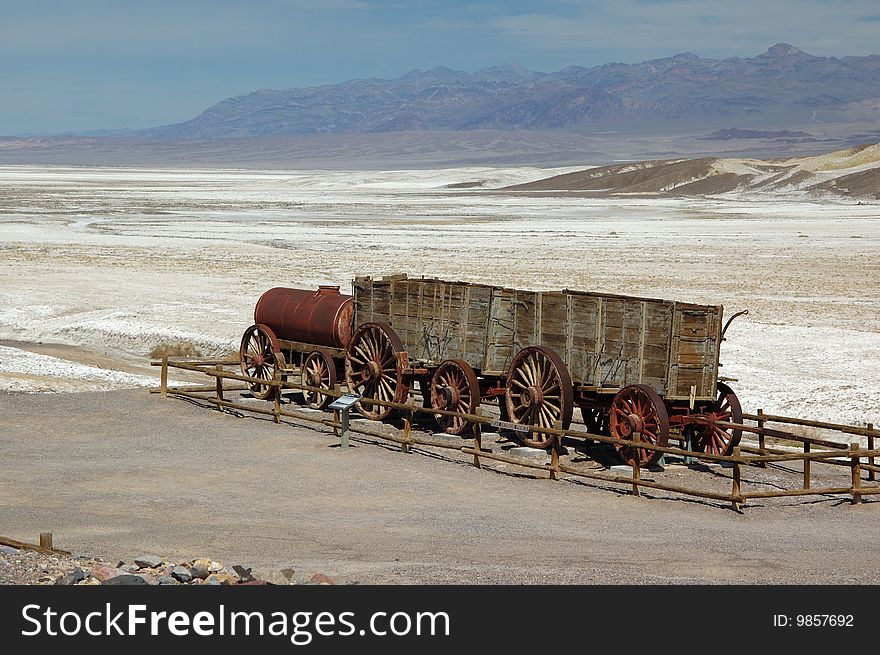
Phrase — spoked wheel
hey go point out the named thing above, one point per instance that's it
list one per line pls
(261, 357)
(454, 387)
(318, 371)
(538, 392)
(373, 369)
(714, 439)
(639, 409)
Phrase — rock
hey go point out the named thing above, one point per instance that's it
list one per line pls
(102, 572)
(243, 572)
(166, 580)
(181, 574)
(536, 455)
(132, 568)
(9, 550)
(215, 567)
(201, 568)
(72, 578)
(148, 561)
(126, 579)
(221, 578)
(272, 576)
(320, 578)
(90, 581)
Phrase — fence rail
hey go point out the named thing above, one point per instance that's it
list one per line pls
(833, 453)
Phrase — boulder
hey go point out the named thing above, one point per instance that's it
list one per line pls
(126, 579)
(102, 572)
(201, 568)
(148, 561)
(181, 574)
(320, 578)
(272, 576)
(221, 578)
(243, 572)
(72, 578)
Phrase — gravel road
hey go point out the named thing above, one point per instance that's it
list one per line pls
(116, 474)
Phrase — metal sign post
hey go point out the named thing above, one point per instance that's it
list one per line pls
(342, 406)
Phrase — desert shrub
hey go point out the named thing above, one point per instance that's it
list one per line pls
(175, 349)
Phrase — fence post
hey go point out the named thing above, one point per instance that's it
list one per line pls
(760, 422)
(806, 466)
(277, 388)
(407, 427)
(856, 474)
(554, 454)
(736, 492)
(219, 382)
(871, 474)
(478, 439)
(163, 384)
(46, 540)
(636, 436)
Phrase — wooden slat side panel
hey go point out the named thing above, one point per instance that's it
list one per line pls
(399, 298)
(476, 325)
(525, 319)
(694, 355)
(372, 301)
(582, 335)
(612, 365)
(656, 336)
(710, 380)
(554, 322)
(502, 325)
(632, 341)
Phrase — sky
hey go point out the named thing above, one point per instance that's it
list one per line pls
(73, 66)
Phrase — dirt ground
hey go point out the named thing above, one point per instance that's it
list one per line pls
(116, 474)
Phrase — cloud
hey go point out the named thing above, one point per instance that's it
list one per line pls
(713, 28)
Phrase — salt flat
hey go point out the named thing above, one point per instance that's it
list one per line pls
(116, 260)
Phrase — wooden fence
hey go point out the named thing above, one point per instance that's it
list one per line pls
(831, 453)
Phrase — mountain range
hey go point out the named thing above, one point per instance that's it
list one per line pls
(781, 86)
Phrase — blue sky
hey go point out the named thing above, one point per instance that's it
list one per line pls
(101, 64)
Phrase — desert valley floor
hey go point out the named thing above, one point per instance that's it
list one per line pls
(99, 265)
(110, 262)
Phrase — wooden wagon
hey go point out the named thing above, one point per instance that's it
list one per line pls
(632, 365)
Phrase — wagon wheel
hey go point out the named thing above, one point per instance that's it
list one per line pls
(318, 371)
(638, 408)
(454, 387)
(261, 357)
(373, 369)
(714, 439)
(538, 392)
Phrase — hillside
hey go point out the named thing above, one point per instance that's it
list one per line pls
(852, 172)
(780, 87)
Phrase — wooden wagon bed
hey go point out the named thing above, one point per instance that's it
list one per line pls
(606, 341)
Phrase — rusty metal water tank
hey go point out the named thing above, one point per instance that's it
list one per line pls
(321, 317)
